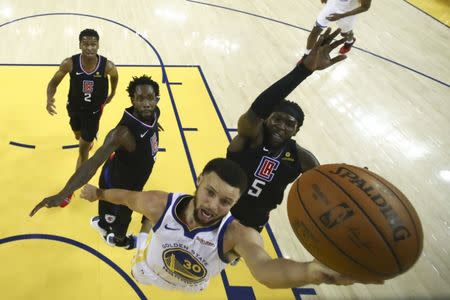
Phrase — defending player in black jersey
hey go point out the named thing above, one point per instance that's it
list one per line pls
(129, 151)
(88, 91)
(264, 147)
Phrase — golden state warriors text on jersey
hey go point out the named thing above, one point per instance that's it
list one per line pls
(180, 258)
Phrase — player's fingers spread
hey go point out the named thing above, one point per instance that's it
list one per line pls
(318, 43)
(330, 38)
(337, 43)
(337, 59)
(327, 32)
(334, 34)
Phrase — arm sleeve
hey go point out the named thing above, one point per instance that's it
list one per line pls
(267, 100)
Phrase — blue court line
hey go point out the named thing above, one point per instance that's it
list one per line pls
(304, 29)
(80, 245)
(22, 145)
(296, 291)
(175, 83)
(164, 74)
(431, 16)
(76, 146)
(117, 65)
(181, 130)
(166, 81)
(190, 129)
(249, 13)
(216, 108)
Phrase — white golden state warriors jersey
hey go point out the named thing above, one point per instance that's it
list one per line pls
(178, 258)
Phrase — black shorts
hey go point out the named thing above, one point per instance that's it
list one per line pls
(86, 122)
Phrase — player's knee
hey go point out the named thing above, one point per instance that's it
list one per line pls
(84, 147)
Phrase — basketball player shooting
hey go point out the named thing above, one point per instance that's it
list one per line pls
(195, 236)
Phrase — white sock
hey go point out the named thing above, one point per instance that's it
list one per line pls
(141, 240)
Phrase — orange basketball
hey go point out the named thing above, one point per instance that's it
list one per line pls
(355, 222)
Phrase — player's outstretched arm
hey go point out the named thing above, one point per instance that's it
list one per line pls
(151, 203)
(281, 272)
(64, 68)
(119, 136)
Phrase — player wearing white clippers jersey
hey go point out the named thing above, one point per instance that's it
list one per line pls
(196, 236)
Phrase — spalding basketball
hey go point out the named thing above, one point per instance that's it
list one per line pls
(355, 222)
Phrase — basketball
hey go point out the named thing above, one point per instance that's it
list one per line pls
(355, 222)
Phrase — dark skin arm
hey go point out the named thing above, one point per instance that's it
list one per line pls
(250, 125)
(118, 137)
(307, 160)
(64, 68)
(111, 70)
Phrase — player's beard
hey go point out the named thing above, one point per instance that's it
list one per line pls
(197, 212)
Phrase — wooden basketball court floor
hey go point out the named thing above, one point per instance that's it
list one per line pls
(385, 107)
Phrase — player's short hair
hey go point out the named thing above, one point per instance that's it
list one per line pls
(143, 80)
(229, 171)
(89, 32)
(292, 109)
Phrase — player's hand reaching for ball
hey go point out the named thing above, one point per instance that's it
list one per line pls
(319, 57)
(89, 192)
(319, 273)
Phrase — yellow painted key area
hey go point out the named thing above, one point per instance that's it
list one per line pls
(56, 251)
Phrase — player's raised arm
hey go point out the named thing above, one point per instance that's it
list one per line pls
(250, 123)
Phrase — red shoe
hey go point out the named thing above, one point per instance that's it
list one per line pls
(66, 201)
(347, 46)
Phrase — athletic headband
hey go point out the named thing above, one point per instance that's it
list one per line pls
(287, 108)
